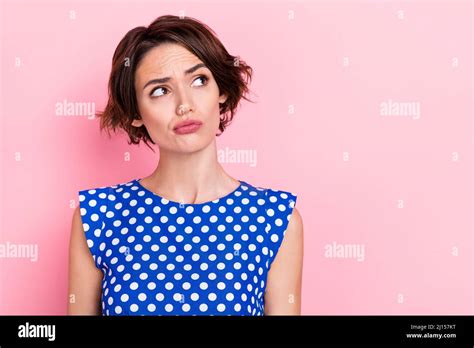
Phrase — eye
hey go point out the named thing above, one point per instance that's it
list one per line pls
(203, 78)
(152, 94)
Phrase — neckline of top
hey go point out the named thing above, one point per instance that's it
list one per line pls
(166, 200)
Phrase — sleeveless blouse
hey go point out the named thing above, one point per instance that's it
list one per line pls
(160, 257)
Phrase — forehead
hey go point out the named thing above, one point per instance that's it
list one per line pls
(166, 59)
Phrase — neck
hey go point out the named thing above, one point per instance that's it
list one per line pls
(191, 177)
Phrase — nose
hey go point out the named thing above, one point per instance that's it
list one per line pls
(184, 104)
(183, 109)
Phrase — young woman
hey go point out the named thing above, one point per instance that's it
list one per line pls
(189, 239)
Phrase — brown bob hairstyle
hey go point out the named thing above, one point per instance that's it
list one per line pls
(232, 75)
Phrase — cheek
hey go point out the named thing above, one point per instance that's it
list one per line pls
(208, 104)
(155, 117)
(208, 111)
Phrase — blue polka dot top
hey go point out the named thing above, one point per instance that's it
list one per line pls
(160, 257)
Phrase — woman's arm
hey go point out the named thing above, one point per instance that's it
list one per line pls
(283, 291)
(84, 277)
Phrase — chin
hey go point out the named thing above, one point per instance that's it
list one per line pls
(192, 144)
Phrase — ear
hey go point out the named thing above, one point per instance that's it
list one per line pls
(137, 123)
(222, 99)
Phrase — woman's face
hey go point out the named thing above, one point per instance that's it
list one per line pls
(159, 102)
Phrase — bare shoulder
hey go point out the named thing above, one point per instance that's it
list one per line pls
(78, 241)
(76, 216)
(295, 226)
(84, 277)
(296, 220)
(77, 231)
(284, 280)
(291, 252)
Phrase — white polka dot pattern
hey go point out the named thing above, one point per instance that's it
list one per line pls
(161, 257)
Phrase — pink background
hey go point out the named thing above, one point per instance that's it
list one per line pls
(322, 71)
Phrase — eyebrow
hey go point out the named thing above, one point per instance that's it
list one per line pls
(166, 79)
